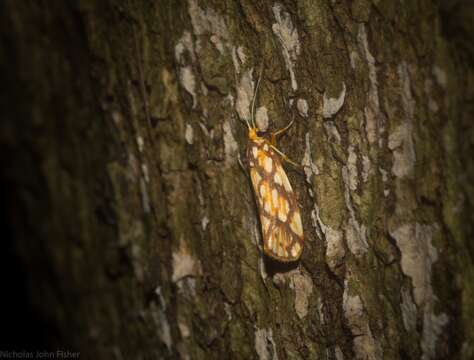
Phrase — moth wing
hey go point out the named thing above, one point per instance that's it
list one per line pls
(279, 213)
(282, 244)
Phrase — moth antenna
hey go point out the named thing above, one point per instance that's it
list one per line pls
(252, 115)
(246, 123)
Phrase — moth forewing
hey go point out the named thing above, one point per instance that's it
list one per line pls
(280, 217)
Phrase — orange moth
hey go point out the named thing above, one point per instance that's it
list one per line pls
(278, 209)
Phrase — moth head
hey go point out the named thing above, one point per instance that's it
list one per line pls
(253, 133)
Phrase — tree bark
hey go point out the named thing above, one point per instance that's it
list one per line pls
(133, 230)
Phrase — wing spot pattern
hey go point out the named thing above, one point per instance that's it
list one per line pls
(268, 164)
(296, 225)
(286, 182)
(255, 152)
(283, 209)
(279, 214)
(277, 179)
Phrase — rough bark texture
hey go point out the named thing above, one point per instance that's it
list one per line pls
(135, 230)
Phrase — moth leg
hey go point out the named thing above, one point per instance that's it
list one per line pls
(273, 144)
(281, 131)
(286, 158)
(242, 166)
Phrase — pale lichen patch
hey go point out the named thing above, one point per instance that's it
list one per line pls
(363, 42)
(407, 97)
(332, 132)
(261, 265)
(245, 91)
(356, 234)
(400, 141)
(354, 59)
(432, 329)
(432, 105)
(185, 45)
(265, 345)
(366, 168)
(231, 147)
(145, 172)
(335, 250)
(316, 219)
(204, 129)
(287, 34)
(161, 298)
(165, 333)
(352, 168)
(117, 118)
(401, 144)
(188, 81)
(228, 310)
(261, 118)
(365, 345)
(331, 106)
(301, 283)
(187, 286)
(186, 76)
(145, 196)
(189, 134)
(183, 329)
(409, 311)
(440, 76)
(229, 100)
(134, 168)
(384, 174)
(204, 223)
(241, 54)
(209, 23)
(140, 143)
(309, 166)
(235, 60)
(417, 257)
(320, 307)
(206, 21)
(338, 353)
(238, 58)
(372, 110)
(217, 43)
(204, 91)
(303, 286)
(184, 264)
(279, 279)
(302, 106)
(163, 327)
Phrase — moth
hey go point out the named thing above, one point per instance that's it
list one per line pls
(278, 209)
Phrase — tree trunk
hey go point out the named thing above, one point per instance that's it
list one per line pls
(133, 230)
